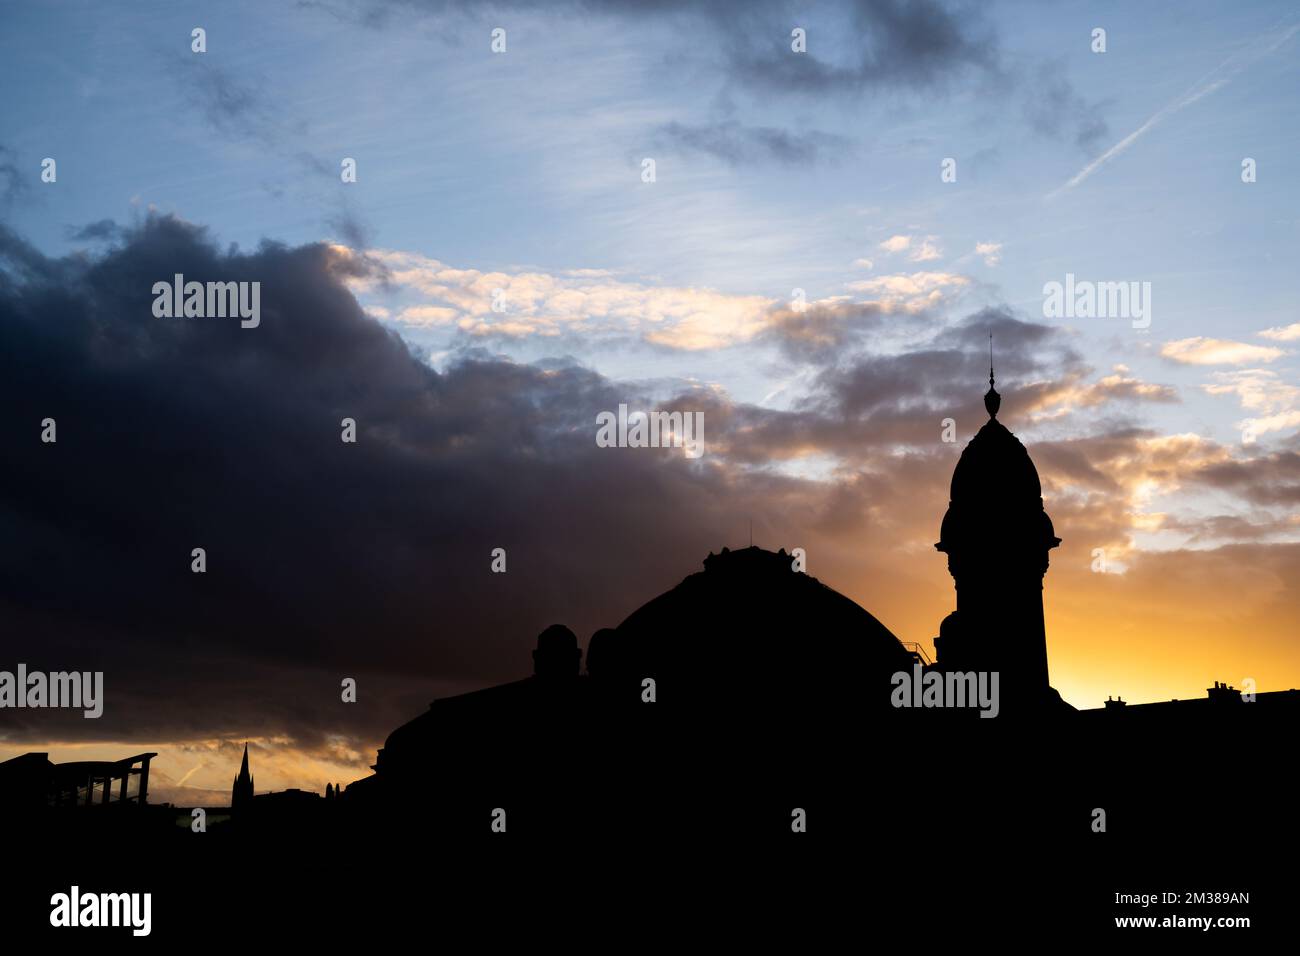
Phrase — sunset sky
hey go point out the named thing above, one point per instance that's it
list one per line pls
(781, 178)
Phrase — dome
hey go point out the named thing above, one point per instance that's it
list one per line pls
(996, 499)
(749, 621)
(995, 466)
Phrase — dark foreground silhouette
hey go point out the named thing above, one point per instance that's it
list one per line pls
(737, 739)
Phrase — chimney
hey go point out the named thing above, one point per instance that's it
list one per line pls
(1222, 693)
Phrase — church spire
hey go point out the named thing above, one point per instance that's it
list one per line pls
(992, 400)
(241, 793)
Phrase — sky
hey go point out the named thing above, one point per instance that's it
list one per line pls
(827, 241)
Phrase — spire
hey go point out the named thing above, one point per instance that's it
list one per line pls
(241, 794)
(992, 400)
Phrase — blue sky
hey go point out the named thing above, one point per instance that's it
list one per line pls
(530, 159)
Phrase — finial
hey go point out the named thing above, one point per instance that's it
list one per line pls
(992, 400)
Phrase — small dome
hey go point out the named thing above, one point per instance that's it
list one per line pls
(996, 499)
(995, 467)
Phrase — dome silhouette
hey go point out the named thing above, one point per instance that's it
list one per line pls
(995, 466)
(995, 495)
(749, 620)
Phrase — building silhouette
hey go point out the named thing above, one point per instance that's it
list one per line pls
(754, 687)
(241, 792)
(32, 780)
(998, 537)
(806, 668)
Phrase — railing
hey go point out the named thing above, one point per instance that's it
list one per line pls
(914, 648)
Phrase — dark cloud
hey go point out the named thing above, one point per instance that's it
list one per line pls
(900, 43)
(1232, 528)
(12, 183)
(372, 560)
(918, 44)
(922, 47)
(230, 105)
(1271, 479)
(822, 331)
(351, 228)
(240, 108)
(862, 403)
(739, 145)
(325, 559)
(1055, 109)
(938, 376)
(103, 230)
(915, 43)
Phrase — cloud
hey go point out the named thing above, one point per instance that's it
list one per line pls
(1283, 333)
(1053, 108)
(421, 315)
(900, 48)
(1266, 480)
(1258, 389)
(822, 330)
(927, 251)
(990, 252)
(350, 227)
(1230, 528)
(1199, 350)
(1072, 391)
(918, 249)
(13, 184)
(525, 304)
(918, 45)
(231, 106)
(862, 402)
(325, 559)
(912, 292)
(738, 145)
(104, 229)
(241, 108)
(372, 560)
(1263, 391)
(904, 44)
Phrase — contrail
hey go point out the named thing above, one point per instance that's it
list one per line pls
(1216, 78)
(181, 781)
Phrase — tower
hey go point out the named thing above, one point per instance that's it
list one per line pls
(241, 794)
(997, 537)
